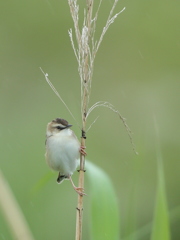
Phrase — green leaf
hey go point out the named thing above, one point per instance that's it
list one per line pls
(161, 228)
(161, 219)
(104, 212)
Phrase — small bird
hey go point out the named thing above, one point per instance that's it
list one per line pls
(62, 150)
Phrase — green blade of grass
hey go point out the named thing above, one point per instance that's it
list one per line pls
(161, 219)
(104, 212)
(143, 232)
(161, 228)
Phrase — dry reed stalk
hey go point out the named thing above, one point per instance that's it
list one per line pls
(85, 80)
(85, 48)
(85, 54)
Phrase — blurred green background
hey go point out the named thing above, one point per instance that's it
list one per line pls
(137, 69)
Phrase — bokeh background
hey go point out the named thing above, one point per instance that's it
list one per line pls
(137, 69)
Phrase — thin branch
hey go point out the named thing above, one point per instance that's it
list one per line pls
(57, 94)
(110, 20)
(72, 43)
(94, 30)
(92, 124)
(112, 108)
(85, 75)
(74, 9)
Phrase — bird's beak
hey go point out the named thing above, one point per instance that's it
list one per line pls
(68, 126)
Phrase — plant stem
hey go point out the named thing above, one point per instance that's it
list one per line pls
(13, 213)
(86, 79)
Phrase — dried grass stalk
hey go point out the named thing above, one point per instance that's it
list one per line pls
(85, 48)
(85, 51)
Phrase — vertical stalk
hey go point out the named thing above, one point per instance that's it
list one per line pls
(79, 213)
(85, 51)
(86, 81)
(13, 213)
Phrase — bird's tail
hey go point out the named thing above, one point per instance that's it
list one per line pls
(61, 178)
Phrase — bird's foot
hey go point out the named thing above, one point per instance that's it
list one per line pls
(82, 151)
(80, 191)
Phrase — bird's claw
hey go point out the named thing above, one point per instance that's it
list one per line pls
(82, 151)
(80, 191)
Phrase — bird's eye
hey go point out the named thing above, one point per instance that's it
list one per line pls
(58, 127)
